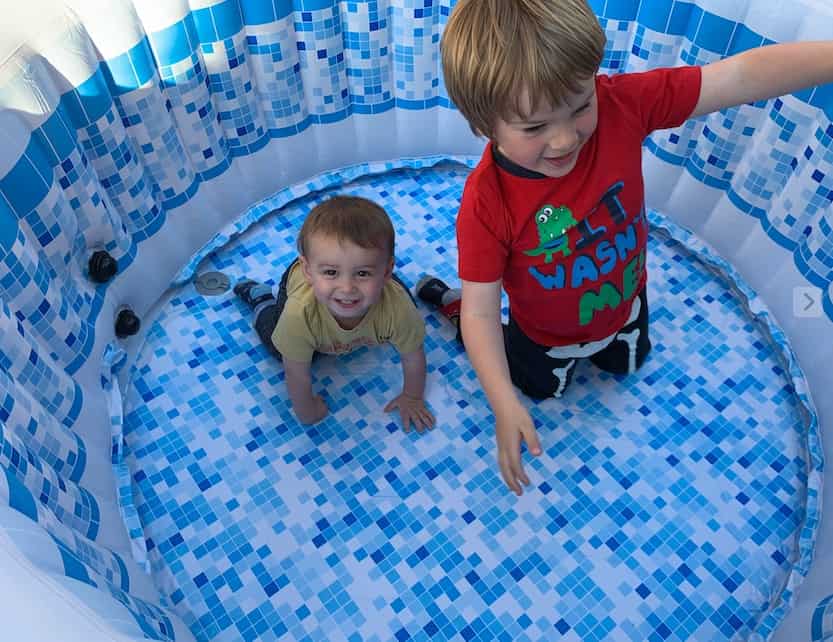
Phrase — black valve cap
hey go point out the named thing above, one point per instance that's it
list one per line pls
(102, 266)
(127, 323)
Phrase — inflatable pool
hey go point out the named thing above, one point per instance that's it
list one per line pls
(156, 484)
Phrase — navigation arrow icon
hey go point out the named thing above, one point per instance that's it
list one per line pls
(807, 302)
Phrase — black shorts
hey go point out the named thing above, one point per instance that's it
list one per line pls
(543, 371)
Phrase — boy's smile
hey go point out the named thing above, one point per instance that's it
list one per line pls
(548, 141)
(345, 277)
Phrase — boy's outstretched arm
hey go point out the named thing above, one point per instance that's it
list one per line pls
(410, 401)
(309, 408)
(763, 73)
(483, 335)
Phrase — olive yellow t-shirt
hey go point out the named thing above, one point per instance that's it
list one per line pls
(306, 326)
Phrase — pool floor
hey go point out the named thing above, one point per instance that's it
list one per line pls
(667, 505)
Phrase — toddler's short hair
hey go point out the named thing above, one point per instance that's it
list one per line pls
(494, 49)
(349, 218)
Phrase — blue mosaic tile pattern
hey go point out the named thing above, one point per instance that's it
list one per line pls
(230, 83)
(618, 47)
(722, 137)
(51, 388)
(274, 57)
(776, 155)
(112, 362)
(319, 182)
(322, 62)
(43, 463)
(653, 49)
(62, 553)
(822, 624)
(121, 173)
(416, 53)
(193, 112)
(43, 460)
(666, 506)
(369, 55)
(138, 137)
(39, 303)
(99, 226)
(56, 229)
(45, 467)
(152, 170)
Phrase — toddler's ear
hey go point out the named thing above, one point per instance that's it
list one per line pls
(305, 268)
(389, 270)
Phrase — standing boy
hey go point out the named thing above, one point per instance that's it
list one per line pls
(554, 212)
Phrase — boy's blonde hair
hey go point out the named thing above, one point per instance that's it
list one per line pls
(349, 218)
(492, 50)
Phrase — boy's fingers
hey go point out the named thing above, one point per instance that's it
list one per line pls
(510, 481)
(518, 469)
(413, 417)
(421, 418)
(508, 472)
(532, 444)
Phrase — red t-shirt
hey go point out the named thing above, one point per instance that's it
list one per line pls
(571, 250)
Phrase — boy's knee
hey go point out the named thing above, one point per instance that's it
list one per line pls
(538, 392)
(544, 384)
(622, 358)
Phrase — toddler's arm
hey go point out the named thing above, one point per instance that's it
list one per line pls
(483, 336)
(410, 401)
(764, 72)
(309, 408)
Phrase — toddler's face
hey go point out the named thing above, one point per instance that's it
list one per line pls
(548, 141)
(345, 277)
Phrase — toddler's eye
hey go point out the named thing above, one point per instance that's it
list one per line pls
(364, 274)
(533, 128)
(330, 273)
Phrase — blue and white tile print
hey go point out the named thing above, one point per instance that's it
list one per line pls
(822, 623)
(668, 505)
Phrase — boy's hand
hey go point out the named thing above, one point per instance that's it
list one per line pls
(317, 411)
(510, 427)
(412, 409)
(309, 407)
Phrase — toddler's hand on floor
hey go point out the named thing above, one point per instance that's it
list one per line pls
(510, 427)
(318, 412)
(413, 410)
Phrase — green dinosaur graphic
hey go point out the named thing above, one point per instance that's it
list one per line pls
(553, 223)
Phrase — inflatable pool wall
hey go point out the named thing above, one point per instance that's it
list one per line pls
(132, 132)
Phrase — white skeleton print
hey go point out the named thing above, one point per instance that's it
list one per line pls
(574, 352)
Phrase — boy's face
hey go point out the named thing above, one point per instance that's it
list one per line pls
(345, 277)
(548, 141)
